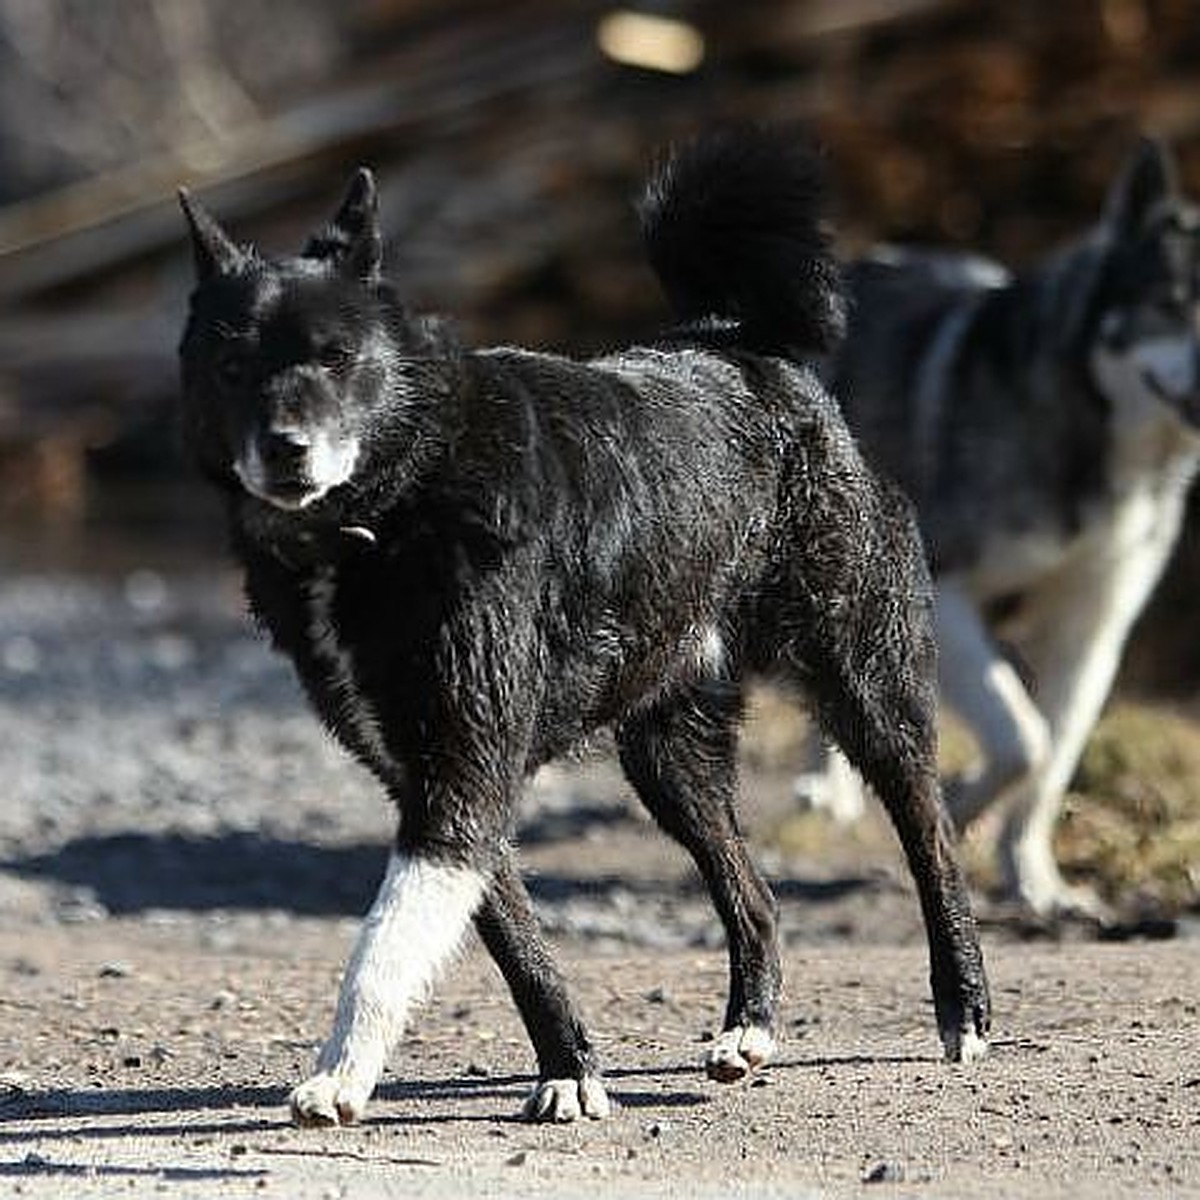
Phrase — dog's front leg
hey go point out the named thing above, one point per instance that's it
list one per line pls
(569, 1084)
(415, 925)
(1076, 628)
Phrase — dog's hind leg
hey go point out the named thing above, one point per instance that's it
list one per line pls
(569, 1084)
(680, 756)
(876, 698)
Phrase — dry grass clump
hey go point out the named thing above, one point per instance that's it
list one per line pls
(1130, 826)
(1132, 821)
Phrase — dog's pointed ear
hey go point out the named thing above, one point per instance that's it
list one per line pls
(1147, 180)
(215, 252)
(352, 239)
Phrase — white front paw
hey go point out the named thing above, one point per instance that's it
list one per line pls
(328, 1099)
(965, 1046)
(563, 1100)
(737, 1052)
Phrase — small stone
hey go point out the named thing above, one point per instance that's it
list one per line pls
(885, 1172)
(516, 1160)
(115, 970)
(12, 1085)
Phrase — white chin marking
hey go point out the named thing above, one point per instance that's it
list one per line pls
(331, 462)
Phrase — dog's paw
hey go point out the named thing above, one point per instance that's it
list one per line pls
(964, 1045)
(737, 1052)
(563, 1100)
(327, 1099)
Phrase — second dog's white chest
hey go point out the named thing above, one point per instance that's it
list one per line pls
(1118, 552)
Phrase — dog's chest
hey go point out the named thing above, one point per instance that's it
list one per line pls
(334, 626)
(334, 671)
(1124, 536)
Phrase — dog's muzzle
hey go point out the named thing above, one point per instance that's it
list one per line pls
(292, 470)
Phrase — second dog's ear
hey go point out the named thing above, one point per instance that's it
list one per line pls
(352, 239)
(1147, 179)
(215, 252)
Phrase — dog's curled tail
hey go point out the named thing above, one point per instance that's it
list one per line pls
(732, 226)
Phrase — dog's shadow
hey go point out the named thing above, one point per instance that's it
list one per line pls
(96, 1115)
(133, 873)
(130, 873)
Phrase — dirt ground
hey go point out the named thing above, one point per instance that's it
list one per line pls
(182, 859)
(137, 1060)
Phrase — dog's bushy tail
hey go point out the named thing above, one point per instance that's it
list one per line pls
(732, 225)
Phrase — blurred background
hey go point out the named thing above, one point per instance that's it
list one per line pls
(510, 139)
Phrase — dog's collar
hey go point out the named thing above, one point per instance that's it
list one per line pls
(300, 544)
(310, 548)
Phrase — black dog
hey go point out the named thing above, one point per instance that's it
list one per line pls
(476, 558)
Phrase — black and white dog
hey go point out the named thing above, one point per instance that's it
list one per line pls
(476, 558)
(1047, 425)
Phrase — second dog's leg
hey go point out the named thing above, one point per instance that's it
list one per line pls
(829, 783)
(680, 756)
(985, 691)
(415, 924)
(569, 1083)
(1076, 634)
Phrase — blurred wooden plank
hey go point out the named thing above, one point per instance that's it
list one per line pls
(99, 223)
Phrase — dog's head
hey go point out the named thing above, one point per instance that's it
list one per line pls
(286, 361)
(1148, 301)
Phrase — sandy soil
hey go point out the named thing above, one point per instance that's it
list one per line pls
(182, 857)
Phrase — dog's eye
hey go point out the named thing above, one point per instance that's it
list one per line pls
(335, 356)
(230, 370)
(1172, 302)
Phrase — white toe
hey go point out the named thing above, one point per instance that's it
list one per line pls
(325, 1100)
(737, 1052)
(971, 1047)
(563, 1100)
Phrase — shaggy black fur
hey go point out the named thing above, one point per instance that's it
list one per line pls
(528, 549)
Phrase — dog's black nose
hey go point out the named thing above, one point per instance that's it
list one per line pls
(282, 451)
